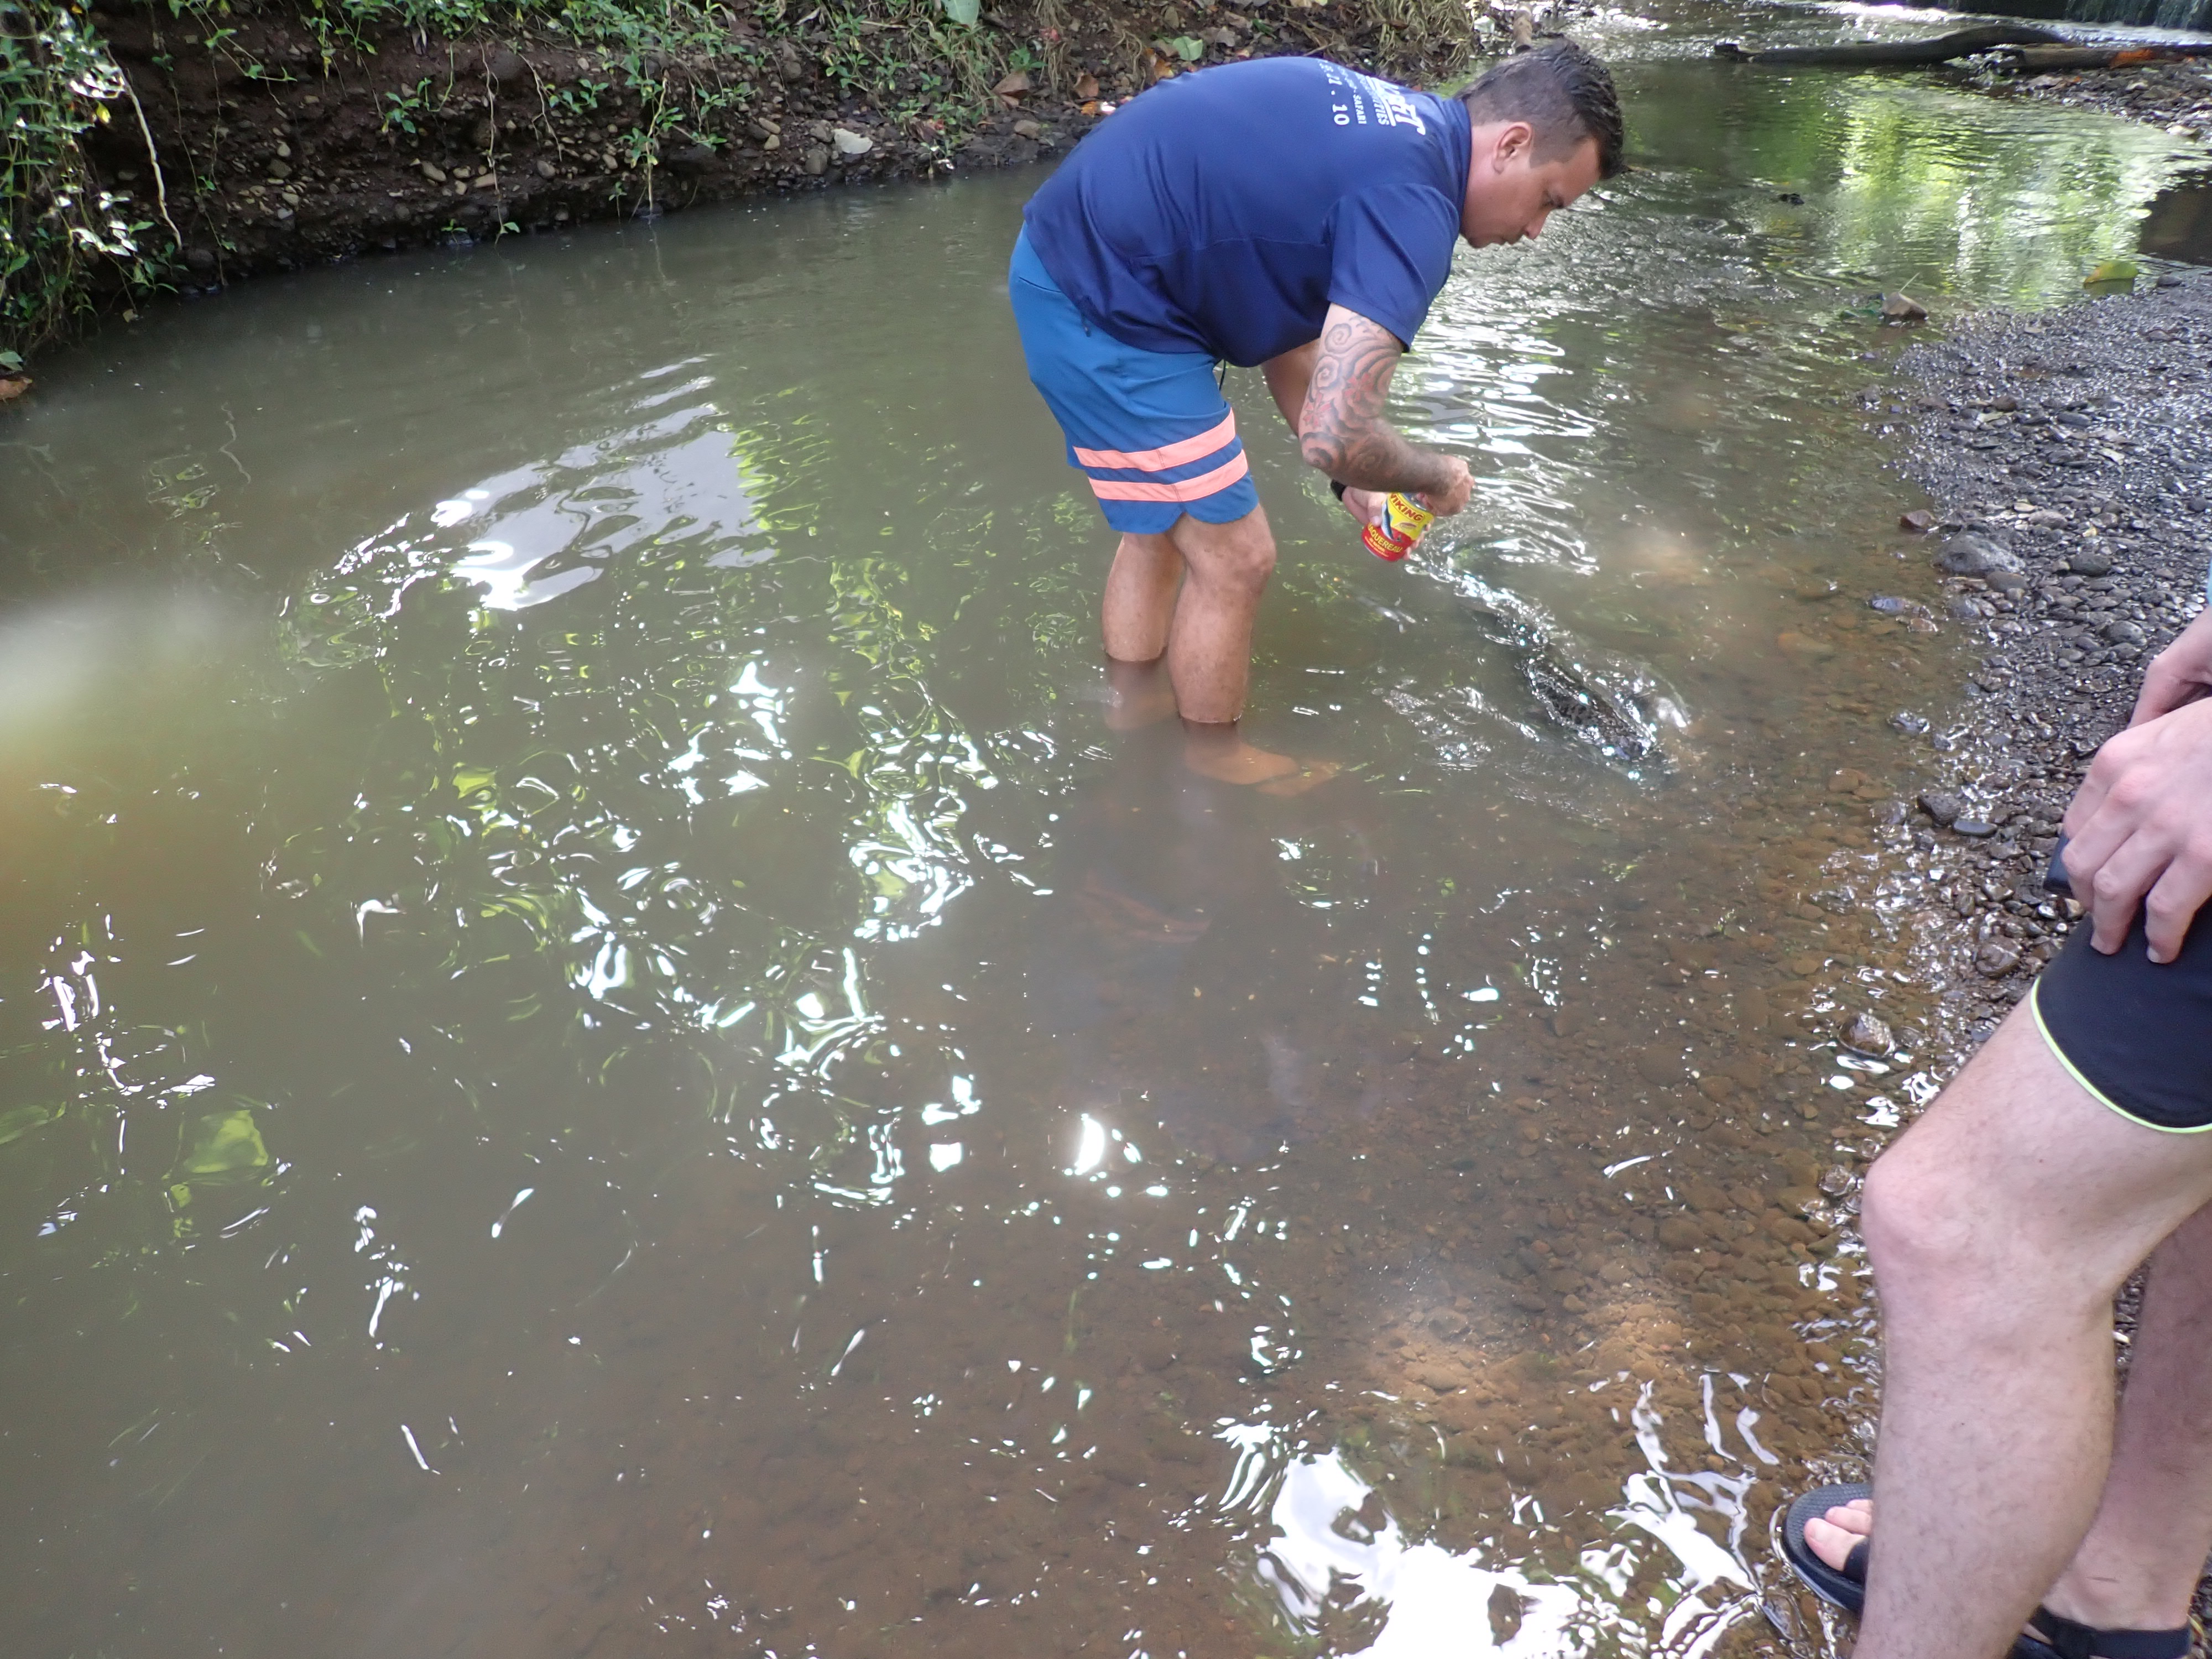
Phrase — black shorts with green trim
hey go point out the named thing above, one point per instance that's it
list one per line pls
(2136, 1033)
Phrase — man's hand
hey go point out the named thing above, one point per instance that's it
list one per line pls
(1341, 430)
(2181, 673)
(1365, 506)
(2140, 830)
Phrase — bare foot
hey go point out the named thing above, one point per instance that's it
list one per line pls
(1232, 760)
(1310, 772)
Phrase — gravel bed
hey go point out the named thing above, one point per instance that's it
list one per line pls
(2176, 96)
(2068, 459)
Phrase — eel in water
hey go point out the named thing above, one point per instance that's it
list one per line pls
(1614, 706)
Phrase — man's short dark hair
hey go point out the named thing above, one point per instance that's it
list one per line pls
(1562, 92)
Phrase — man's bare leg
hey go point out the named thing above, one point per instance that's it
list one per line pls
(1137, 694)
(2137, 1567)
(1140, 597)
(1139, 606)
(2000, 1227)
(1209, 646)
(1193, 593)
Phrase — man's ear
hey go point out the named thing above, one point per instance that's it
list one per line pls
(1515, 142)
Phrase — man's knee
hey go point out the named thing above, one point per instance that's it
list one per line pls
(1919, 1223)
(1238, 554)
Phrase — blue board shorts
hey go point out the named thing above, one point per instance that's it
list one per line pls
(1150, 430)
(2136, 1034)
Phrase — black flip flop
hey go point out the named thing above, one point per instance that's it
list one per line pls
(1845, 1588)
(2063, 1637)
(2065, 1640)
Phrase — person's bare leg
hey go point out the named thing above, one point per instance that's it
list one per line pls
(1137, 694)
(2137, 1568)
(1999, 1228)
(1210, 645)
(1140, 597)
(1210, 651)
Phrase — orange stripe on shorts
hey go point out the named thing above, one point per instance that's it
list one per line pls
(1159, 460)
(1190, 490)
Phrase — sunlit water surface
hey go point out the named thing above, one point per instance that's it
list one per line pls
(604, 1054)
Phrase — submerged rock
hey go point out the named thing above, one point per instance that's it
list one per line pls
(1866, 1034)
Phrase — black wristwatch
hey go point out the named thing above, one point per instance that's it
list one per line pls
(1337, 488)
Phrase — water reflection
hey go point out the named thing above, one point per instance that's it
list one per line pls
(608, 1046)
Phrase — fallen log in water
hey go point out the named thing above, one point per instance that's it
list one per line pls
(1880, 54)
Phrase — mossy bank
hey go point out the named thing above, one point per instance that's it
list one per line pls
(182, 145)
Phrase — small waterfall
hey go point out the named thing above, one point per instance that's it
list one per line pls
(2157, 14)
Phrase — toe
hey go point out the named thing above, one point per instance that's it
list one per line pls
(1856, 1518)
(1832, 1543)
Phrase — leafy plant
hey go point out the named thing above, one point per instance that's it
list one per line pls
(402, 107)
(57, 227)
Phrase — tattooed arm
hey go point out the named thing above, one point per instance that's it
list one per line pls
(1343, 432)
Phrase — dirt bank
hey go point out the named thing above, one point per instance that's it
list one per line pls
(265, 139)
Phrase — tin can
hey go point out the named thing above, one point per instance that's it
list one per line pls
(1405, 521)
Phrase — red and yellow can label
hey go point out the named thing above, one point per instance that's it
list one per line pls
(1405, 521)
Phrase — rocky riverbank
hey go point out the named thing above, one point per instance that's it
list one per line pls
(2175, 95)
(2065, 452)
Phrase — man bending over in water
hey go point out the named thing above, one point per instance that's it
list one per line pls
(1295, 214)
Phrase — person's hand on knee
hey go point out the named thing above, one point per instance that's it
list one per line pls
(2179, 674)
(2140, 830)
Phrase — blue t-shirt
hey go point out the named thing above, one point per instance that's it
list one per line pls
(1226, 211)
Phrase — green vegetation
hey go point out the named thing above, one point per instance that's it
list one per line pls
(64, 241)
(671, 75)
(56, 226)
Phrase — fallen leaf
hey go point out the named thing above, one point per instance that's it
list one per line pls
(2111, 270)
(1014, 85)
(1086, 89)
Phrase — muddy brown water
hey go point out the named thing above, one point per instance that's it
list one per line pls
(604, 1054)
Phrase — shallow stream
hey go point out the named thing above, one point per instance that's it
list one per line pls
(604, 1054)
